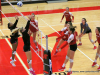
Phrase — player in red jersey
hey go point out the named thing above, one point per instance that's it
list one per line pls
(76, 34)
(97, 31)
(71, 51)
(32, 29)
(64, 36)
(68, 16)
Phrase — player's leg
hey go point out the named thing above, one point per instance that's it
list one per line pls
(79, 37)
(14, 47)
(29, 58)
(71, 61)
(63, 46)
(34, 39)
(90, 38)
(66, 60)
(67, 56)
(96, 57)
(65, 23)
(60, 42)
(73, 48)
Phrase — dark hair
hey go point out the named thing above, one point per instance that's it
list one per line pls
(98, 29)
(72, 28)
(70, 23)
(9, 25)
(33, 14)
(85, 19)
(68, 8)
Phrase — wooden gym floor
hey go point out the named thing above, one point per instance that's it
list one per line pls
(85, 53)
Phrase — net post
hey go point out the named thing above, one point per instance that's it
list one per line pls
(46, 42)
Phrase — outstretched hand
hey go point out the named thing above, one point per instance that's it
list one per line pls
(29, 16)
(16, 17)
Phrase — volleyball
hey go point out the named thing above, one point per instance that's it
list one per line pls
(19, 4)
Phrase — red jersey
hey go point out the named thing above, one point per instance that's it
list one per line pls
(72, 39)
(62, 32)
(98, 37)
(76, 33)
(32, 28)
(67, 16)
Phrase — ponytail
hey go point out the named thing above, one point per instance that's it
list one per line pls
(72, 28)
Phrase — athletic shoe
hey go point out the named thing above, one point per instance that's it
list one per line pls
(69, 73)
(95, 47)
(32, 72)
(79, 44)
(56, 52)
(98, 68)
(12, 62)
(11, 58)
(62, 68)
(94, 63)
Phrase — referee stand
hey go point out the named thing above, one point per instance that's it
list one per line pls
(47, 60)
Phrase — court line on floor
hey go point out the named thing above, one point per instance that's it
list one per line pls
(77, 48)
(16, 55)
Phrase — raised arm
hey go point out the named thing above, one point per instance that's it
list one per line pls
(15, 24)
(63, 35)
(27, 25)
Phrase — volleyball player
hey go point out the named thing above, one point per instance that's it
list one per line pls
(63, 36)
(26, 40)
(97, 31)
(14, 39)
(71, 51)
(68, 16)
(87, 30)
(32, 29)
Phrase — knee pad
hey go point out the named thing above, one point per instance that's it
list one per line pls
(34, 41)
(97, 54)
(91, 40)
(71, 60)
(14, 52)
(29, 61)
(67, 57)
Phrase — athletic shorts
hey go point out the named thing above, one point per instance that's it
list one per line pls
(13, 40)
(26, 48)
(89, 31)
(73, 47)
(67, 22)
